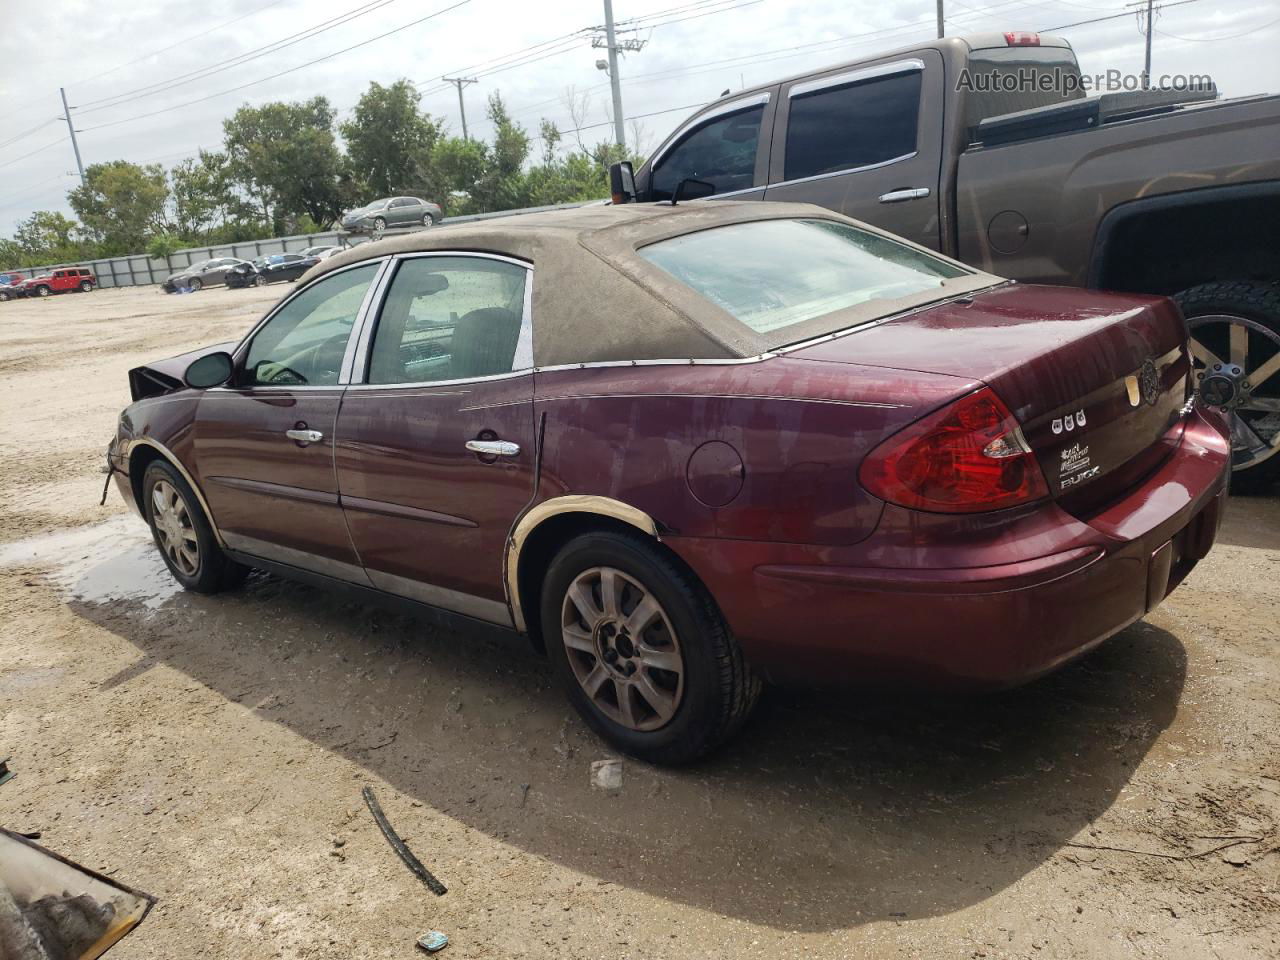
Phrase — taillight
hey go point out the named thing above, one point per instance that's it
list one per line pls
(1022, 38)
(968, 457)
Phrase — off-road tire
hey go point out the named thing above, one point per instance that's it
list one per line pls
(1256, 301)
(216, 571)
(719, 686)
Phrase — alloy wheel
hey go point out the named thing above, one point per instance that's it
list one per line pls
(379, 228)
(1237, 367)
(622, 648)
(172, 522)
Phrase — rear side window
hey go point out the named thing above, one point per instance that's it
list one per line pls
(449, 318)
(854, 125)
(771, 274)
(722, 152)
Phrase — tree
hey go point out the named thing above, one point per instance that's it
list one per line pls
(45, 237)
(285, 157)
(204, 195)
(389, 141)
(121, 204)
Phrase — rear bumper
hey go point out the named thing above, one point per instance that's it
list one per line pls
(806, 614)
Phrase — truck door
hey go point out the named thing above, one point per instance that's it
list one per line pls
(865, 142)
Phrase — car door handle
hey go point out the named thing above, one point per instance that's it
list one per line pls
(494, 448)
(305, 436)
(899, 196)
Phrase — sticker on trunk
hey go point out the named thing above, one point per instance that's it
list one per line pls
(1074, 466)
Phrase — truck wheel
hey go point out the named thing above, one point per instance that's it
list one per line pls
(43, 291)
(85, 286)
(642, 650)
(1235, 347)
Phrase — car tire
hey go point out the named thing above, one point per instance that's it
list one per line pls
(379, 227)
(172, 510)
(259, 281)
(428, 220)
(686, 712)
(5, 296)
(196, 285)
(43, 291)
(1211, 310)
(85, 286)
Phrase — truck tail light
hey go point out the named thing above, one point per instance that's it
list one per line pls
(968, 457)
(1022, 38)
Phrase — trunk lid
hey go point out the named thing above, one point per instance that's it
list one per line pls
(1097, 381)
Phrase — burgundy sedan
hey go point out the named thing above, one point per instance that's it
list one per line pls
(687, 448)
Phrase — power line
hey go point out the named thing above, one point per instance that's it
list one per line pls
(1234, 36)
(160, 86)
(563, 43)
(302, 66)
(9, 163)
(25, 133)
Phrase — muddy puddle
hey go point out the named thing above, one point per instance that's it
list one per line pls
(110, 561)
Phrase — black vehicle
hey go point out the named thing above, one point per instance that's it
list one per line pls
(264, 270)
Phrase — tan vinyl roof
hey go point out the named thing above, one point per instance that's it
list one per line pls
(595, 299)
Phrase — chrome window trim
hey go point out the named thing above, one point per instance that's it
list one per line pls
(855, 76)
(359, 372)
(843, 171)
(742, 103)
(242, 348)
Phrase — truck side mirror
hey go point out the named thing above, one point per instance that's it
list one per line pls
(622, 182)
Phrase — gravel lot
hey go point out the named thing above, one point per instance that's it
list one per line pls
(211, 751)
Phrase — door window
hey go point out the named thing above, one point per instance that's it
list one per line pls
(304, 342)
(854, 125)
(722, 152)
(449, 318)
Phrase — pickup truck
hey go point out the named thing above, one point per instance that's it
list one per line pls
(988, 149)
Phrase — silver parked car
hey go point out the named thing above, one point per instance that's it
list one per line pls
(391, 212)
(206, 273)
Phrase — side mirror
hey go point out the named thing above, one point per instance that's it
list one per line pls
(209, 371)
(622, 182)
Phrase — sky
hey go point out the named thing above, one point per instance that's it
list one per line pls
(151, 81)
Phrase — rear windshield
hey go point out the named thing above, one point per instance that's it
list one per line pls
(1009, 79)
(771, 274)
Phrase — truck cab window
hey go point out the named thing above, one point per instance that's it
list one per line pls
(722, 152)
(850, 126)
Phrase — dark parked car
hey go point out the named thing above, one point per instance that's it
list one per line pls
(391, 212)
(206, 273)
(792, 448)
(273, 269)
(981, 147)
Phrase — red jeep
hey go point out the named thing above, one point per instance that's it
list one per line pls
(60, 281)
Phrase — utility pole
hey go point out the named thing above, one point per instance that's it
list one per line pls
(71, 128)
(615, 82)
(613, 44)
(940, 27)
(1149, 12)
(461, 82)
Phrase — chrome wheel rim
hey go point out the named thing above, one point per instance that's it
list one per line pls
(172, 522)
(1240, 358)
(378, 227)
(622, 648)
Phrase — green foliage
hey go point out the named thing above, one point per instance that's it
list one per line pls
(281, 170)
(121, 204)
(285, 157)
(389, 142)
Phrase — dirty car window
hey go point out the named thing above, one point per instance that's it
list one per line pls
(771, 274)
(304, 342)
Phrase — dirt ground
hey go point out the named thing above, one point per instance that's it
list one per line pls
(212, 751)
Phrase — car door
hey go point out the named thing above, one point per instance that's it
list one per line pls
(264, 443)
(865, 142)
(726, 146)
(435, 448)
